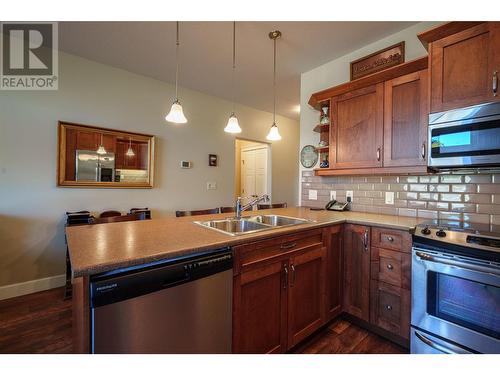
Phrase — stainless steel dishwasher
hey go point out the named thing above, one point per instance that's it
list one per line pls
(180, 306)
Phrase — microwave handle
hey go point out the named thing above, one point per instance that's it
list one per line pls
(463, 263)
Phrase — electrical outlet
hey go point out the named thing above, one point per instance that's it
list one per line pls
(389, 197)
(313, 195)
(211, 185)
(333, 195)
(349, 194)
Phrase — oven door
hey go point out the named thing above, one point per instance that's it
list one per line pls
(457, 299)
(465, 143)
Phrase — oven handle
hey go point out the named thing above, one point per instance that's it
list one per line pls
(463, 263)
(443, 348)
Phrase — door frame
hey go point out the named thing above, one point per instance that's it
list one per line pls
(261, 145)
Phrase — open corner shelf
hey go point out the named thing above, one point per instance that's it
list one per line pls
(321, 128)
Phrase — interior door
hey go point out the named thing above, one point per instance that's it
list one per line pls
(261, 171)
(306, 299)
(247, 173)
(357, 270)
(358, 128)
(405, 120)
(259, 310)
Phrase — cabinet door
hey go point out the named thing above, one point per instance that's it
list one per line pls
(463, 67)
(306, 297)
(356, 134)
(109, 142)
(259, 309)
(87, 140)
(333, 275)
(143, 156)
(131, 162)
(120, 155)
(357, 270)
(405, 120)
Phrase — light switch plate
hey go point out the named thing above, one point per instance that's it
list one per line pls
(211, 185)
(313, 195)
(333, 195)
(389, 197)
(350, 194)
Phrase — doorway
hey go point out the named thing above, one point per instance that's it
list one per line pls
(253, 168)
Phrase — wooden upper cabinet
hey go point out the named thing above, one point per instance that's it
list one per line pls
(357, 270)
(463, 66)
(306, 302)
(357, 132)
(109, 142)
(87, 140)
(405, 120)
(259, 309)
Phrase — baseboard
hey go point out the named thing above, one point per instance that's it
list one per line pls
(32, 286)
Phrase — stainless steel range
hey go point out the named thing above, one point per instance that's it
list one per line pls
(455, 290)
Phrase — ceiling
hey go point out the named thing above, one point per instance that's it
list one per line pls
(148, 48)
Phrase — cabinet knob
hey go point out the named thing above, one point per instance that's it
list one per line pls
(390, 266)
(390, 238)
(388, 307)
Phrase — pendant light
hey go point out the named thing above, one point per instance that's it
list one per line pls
(176, 115)
(232, 123)
(101, 150)
(274, 134)
(130, 152)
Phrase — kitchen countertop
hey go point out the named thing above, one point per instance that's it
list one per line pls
(99, 248)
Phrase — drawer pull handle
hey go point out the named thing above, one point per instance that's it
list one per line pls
(288, 245)
(390, 266)
(390, 238)
(388, 307)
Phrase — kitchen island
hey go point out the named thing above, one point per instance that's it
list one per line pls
(102, 248)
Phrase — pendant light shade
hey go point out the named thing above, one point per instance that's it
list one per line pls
(232, 125)
(130, 152)
(176, 114)
(274, 134)
(101, 150)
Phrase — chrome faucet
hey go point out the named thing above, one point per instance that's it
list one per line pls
(240, 208)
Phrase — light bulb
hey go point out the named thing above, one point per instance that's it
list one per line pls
(232, 125)
(130, 152)
(176, 115)
(101, 150)
(274, 134)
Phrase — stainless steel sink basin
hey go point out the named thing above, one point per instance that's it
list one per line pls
(250, 224)
(233, 226)
(276, 220)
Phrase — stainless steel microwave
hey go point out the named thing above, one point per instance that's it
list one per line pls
(465, 138)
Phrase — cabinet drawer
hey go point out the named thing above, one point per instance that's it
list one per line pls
(391, 239)
(390, 308)
(250, 254)
(391, 267)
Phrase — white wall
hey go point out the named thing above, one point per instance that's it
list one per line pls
(32, 207)
(336, 72)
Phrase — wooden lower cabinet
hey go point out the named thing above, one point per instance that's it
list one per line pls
(306, 302)
(259, 309)
(333, 275)
(390, 308)
(357, 270)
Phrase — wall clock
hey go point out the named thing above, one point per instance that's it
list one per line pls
(308, 156)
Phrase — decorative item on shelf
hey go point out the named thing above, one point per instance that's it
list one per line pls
(325, 118)
(380, 60)
(274, 134)
(308, 156)
(212, 160)
(324, 163)
(322, 144)
(233, 125)
(176, 114)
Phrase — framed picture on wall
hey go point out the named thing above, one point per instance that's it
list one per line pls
(212, 160)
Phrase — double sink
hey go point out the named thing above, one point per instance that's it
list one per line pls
(251, 224)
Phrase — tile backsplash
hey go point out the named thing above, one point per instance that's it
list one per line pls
(471, 198)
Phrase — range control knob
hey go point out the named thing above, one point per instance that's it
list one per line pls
(426, 231)
(441, 233)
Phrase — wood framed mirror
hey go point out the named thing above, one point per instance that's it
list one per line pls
(91, 156)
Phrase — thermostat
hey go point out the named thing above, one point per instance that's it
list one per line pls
(186, 164)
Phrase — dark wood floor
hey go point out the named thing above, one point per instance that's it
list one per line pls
(41, 323)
